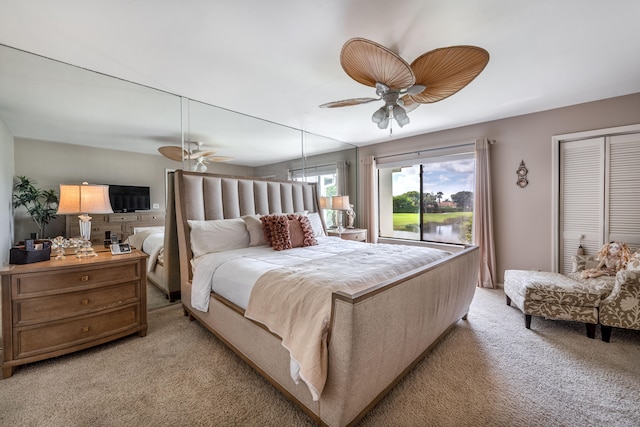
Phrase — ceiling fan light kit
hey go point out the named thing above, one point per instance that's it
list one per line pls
(432, 77)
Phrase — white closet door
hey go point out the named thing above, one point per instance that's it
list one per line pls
(622, 215)
(581, 198)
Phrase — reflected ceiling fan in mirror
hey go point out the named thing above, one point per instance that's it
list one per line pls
(195, 152)
(432, 77)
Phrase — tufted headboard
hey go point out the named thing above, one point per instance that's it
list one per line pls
(202, 196)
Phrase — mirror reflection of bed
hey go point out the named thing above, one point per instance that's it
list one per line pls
(160, 291)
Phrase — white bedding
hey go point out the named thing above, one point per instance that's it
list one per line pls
(232, 274)
(334, 264)
(151, 242)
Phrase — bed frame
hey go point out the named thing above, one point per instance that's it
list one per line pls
(367, 329)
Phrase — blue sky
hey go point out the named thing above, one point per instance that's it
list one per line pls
(449, 177)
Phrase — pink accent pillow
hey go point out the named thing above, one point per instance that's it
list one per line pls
(276, 228)
(288, 231)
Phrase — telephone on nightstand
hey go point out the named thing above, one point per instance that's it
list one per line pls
(120, 248)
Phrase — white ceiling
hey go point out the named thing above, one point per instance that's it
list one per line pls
(278, 60)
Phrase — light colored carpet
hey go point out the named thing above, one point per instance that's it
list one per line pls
(155, 297)
(489, 371)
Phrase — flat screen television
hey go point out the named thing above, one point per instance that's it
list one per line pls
(129, 198)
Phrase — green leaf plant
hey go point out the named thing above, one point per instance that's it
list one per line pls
(40, 204)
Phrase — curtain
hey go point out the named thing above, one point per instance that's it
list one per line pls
(369, 219)
(342, 178)
(483, 216)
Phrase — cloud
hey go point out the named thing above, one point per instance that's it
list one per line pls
(447, 177)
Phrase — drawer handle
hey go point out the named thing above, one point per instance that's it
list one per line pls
(84, 278)
(85, 301)
(85, 329)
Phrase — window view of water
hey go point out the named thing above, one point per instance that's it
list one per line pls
(434, 232)
(441, 232)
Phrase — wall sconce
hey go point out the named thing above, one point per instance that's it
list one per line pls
(522, 175)
(84, 199)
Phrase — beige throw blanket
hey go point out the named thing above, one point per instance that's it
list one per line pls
(294, 302)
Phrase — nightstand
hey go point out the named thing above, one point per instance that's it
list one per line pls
(357, 234)
(55, 307)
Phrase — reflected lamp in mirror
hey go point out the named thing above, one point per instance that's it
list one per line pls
(84, 199)
(340, 203)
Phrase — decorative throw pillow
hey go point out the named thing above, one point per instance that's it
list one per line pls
(254, 227)
(634, 262)
(287, 231)
(301, 231)
(276, 231)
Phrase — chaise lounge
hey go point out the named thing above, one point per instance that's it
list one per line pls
(612, 301)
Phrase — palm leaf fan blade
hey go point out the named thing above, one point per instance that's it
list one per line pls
(368, 62)
(446, 70)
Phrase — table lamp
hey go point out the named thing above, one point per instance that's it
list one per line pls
(84, 199)
(340, 203)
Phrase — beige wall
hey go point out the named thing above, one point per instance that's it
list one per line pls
(51, 164)
(523, 217)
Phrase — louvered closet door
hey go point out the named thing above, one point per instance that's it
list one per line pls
(581, 198)
(622, 215)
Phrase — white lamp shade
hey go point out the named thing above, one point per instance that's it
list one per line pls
(325, 202)
(84, 199)
(340, 203)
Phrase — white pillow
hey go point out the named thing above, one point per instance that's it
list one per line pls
(218, 235)
(316, 224)
(256, 232)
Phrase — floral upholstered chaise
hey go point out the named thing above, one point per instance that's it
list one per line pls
(611, 300)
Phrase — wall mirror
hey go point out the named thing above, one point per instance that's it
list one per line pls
(44, 101)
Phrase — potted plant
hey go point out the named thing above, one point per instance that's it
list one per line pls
(40, 204)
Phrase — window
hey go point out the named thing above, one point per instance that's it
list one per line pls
(327, 180)
(430, 199)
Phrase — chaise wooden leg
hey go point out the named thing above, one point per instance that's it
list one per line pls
(606, 333)
(591, 330)
(527, 321)
(508, 300)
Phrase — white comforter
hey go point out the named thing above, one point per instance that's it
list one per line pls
(232, 274)
(151, 242)
(334, 265)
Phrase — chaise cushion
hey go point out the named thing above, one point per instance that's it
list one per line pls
(556, 296)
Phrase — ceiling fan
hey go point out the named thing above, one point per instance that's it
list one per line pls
(432, 77)
(193, 152)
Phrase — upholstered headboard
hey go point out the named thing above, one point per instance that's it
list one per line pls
(201, 196)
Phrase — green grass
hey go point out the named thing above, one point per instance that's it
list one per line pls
(401, 220)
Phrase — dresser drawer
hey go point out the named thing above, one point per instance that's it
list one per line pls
(28, 284)
(358, 237)
(29, 341)
(61, 306)
(124, 217)
(355, 234)
(152, 217)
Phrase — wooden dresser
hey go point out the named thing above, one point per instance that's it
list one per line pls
(120, 223)
(54, 307)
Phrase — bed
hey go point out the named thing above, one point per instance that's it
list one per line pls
(380, 320)
(151, 240)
